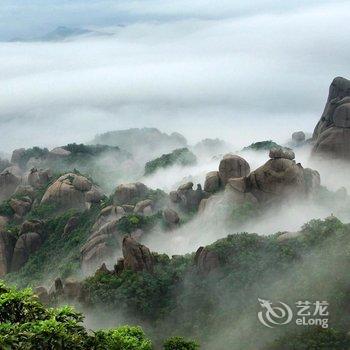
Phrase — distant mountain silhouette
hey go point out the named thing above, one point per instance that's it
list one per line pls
(62, 33)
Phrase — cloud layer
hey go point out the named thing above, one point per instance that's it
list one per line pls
(240, 72)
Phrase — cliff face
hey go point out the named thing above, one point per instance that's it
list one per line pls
(332, 132)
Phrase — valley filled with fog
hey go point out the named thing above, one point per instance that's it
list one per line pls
(172, 171)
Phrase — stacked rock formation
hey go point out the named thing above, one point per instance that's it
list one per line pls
(231, 166)
(279, 178)
(72, 191)
(332, 133)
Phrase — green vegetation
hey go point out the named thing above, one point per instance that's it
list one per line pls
(35, 152)
(5, 209)
(58, 256)
(181, 156)
(180, 343)
(314, 339)
(26, 324)
(262, 146)
(92, 150)
(177, 297)
(129, 223)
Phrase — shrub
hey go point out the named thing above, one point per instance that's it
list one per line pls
(179, 343)
(26, 324)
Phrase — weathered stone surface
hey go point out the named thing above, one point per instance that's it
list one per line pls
(333, 142)
(206, 260)
(71, 191)
(232, 166)
(144, 207)
(94, 195)
(32, 226)
(3, 222)
(128, 208)
(186, 186)
(239, 184)
(332, 133)
(15, 170)
(81, 183)
(26, 245)
(171, 216)
(20, 206)
(276, 179)
(298, 136)
(25, 191)
(280, 152)
(39, 178)
(186, 198)
(312, 180)
(71, 225)
(17, 155)
(212, 182)
(129, 193)
(104, 238)
(57, 153)
(8, 184)
(137, 257)
(7, 245)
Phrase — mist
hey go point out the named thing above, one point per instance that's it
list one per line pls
(255, 76)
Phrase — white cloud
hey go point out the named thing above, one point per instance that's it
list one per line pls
(256, 76)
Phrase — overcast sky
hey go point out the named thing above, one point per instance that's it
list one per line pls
(247, 71)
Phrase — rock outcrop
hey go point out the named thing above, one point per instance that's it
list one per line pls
(8, 184)
(144, 207)
(206, 260)
(171, 217)
(7, 245)
(39, 178)
(298, 137)
(20, 206)
(129, 193)
(232, 166)
(72, 191)
(137, 257)
(187, 198)
(26, 244)
(104, 238)
(212, 182)
(278, 179)
(332, 133)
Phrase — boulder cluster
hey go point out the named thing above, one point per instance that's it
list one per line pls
(279, 178)
(14, 253)
(231, 166)
(72, 191)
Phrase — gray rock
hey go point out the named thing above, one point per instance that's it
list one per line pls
(232, 166)
(280, 152)
(7, 245)
(171, 216)
(298, 136)
(206, 260)
(212, 182)
(137, 257)
(26, 245)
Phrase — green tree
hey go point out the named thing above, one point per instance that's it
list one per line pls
(180, 343)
